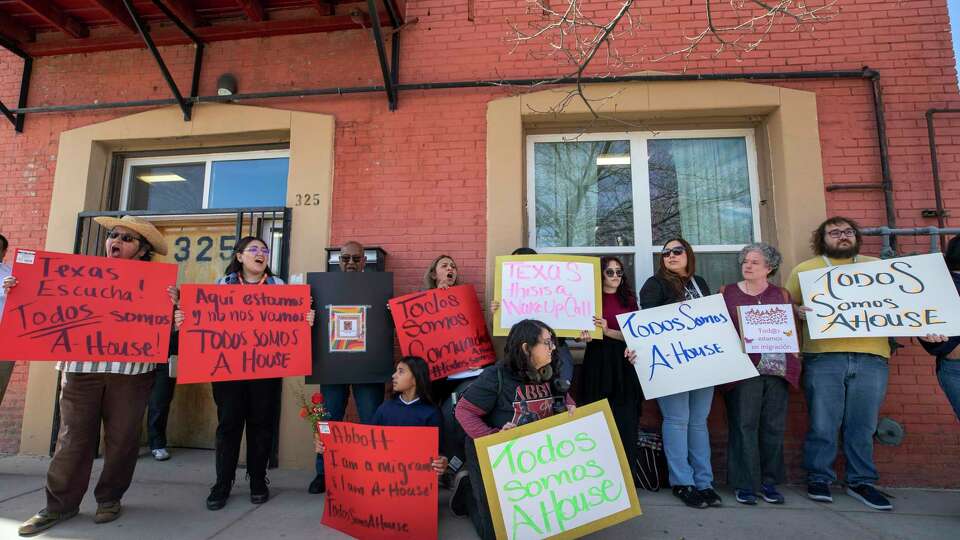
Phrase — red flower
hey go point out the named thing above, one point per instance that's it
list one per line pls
(303, 412)
(316, 398)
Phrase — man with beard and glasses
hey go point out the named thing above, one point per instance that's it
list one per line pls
(844, 381)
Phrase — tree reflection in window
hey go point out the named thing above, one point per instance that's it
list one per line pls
(584, 195)
(700, 190)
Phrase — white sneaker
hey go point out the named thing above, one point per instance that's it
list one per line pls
(160, 454)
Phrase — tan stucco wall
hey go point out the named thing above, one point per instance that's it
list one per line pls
(785, 122)
(80, 182)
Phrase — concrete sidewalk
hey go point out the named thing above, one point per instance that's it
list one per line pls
(166, 501)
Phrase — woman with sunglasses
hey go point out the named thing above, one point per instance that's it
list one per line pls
(249, 402)
(686, 441)
(608, 371)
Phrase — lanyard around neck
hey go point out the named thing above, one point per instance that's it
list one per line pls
(828, 263)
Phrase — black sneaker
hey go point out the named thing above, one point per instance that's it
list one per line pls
(259, 492)
(319, 485)
(710, 497)
(869, 496)
(819, 491)
(219, 494)
(690, 496)
(461, 493)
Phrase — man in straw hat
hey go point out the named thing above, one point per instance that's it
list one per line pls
(114, 393)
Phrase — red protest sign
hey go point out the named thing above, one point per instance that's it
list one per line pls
(83, 308)
(238, 332)
(445, 327)
(380, 484)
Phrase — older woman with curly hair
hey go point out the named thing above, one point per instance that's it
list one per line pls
(757, 407)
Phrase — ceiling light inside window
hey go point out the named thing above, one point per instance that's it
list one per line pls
(162, 177)
(613, 159)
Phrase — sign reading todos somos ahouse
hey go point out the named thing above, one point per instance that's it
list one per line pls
(685, 346)
(560, 290)
(561, 477)
(906, 296)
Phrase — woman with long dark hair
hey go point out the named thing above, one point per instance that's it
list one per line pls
(515, 391)
(251, 403)
(686, 440)
(608, 371)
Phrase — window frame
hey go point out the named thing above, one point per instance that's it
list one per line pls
(206, 158)
(643, 251)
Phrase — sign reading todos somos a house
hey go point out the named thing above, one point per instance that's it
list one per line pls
(685, 346)
(906, 296)
(561, 477)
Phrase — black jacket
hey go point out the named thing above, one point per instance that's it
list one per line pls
(656, 292)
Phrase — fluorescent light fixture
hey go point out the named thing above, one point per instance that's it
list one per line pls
(162, 177)
(613, 159)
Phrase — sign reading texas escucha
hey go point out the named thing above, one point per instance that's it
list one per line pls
(560, 290)
(906, 296)
(561, 477)
(84, 308)
(685, 346)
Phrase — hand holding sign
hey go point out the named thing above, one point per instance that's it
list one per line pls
(906, 296)
(83, 308)
(685, 346)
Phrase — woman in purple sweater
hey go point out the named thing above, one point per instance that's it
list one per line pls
(757, 407)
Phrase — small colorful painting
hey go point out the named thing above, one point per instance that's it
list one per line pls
(348, 328)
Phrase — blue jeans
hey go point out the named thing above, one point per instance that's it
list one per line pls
(948, 373)
(367, 396)
(842, 389)
(686, 441)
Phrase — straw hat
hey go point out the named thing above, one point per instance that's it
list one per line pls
(140, 226)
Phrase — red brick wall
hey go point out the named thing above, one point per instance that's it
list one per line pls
(417, 175)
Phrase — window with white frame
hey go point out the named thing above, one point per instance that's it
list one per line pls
(194, 182)
(626, 194)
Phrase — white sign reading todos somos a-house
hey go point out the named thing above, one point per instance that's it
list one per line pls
(685, 346)
(906, 296)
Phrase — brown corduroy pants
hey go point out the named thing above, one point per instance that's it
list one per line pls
(86, 399)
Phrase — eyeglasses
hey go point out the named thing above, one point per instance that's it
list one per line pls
(257, 251)
(610, 272)
(351, 258)
(837, 233)
(676, 252)
(124, 237)
(549, 343)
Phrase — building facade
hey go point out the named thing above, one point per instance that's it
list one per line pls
(763, 147)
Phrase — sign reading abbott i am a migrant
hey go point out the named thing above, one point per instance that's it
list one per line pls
(685, 346)
(562, 291)
(560, 477)
(83, 308)
(907, 296)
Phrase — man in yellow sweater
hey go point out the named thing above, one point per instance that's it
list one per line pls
(844, 381)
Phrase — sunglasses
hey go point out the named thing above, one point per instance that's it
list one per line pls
(676, 252)
(610, 272)
(837, 233)
(257, 251)
(351, 258)
(124, 237)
